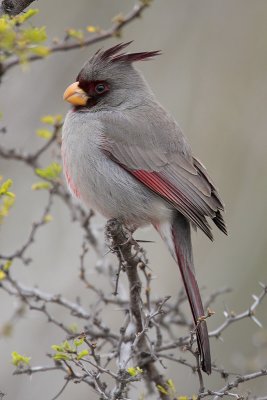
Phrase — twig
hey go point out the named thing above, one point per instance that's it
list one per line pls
(33, 293)
(61, 391)
(43, 368)
(241, 379)
(114, 31)
(35, 227)
(30, 159)
(250, 313)
(214, 295)
(122, 244)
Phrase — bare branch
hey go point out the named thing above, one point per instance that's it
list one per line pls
(130, 255)
(241, 379)
(213, 296)
(232, 317)
(33, 293)
(61, 391)
(225, 391)
(30, 159)
(43, 368)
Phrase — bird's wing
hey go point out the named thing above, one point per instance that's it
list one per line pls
(177, 177)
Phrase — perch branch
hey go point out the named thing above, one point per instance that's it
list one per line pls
(130, 256)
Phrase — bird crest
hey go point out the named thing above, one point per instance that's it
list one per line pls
(116, 54)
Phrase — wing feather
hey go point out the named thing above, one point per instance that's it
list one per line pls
(177, 177)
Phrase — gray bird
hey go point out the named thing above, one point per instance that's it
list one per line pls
(126, 157)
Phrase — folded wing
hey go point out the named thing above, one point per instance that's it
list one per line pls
(182, 181)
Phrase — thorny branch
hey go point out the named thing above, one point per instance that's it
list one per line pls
(133, 344)
(250, 313)
(30, 159)
(147, 337)
(131, 256)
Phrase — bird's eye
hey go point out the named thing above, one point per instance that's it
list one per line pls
(100, 88)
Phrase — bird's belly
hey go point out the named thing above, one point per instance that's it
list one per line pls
(105, 186)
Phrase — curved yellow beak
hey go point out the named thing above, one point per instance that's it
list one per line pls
(75, 95)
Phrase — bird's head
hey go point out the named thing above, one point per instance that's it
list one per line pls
(109, 80)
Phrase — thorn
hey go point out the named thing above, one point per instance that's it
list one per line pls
(144, 241)
(210, 312)
(233, 314)
(257, 322)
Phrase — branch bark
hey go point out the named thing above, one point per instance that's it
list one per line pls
(121, 242)
(14, 7)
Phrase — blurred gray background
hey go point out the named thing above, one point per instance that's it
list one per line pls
(212, 76)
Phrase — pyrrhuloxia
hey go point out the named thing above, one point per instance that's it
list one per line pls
(126, 157)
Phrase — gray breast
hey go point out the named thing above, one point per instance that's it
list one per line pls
(98, 181)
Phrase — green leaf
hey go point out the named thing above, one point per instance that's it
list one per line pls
(171, 385)
(50, 173)
(7, 40)
(18, 359)
(10, 194)
(20, 19)
(5, 186)
(67, 346)
(2, 275)
(41, 51)
(63, 347)
(133, 371)
(78, 342)
(52, 119)
(58, 118)
(162, 390)
(61, 356)
(17, 40)
(34, 35)
(93, 29)
(48, 218)
(82, 354)
(7, 265)
(41, 186)
(76, 34)
(48, 119)
(7, 203)
(4, 25)
(57, 347)
(44, 133)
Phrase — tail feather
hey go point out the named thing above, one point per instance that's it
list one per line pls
(178, 238)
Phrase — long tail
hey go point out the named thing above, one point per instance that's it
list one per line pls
(178, 238)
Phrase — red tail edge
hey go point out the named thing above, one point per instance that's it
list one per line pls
(182, 247)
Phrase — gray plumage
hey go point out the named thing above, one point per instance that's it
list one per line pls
(126, 157)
